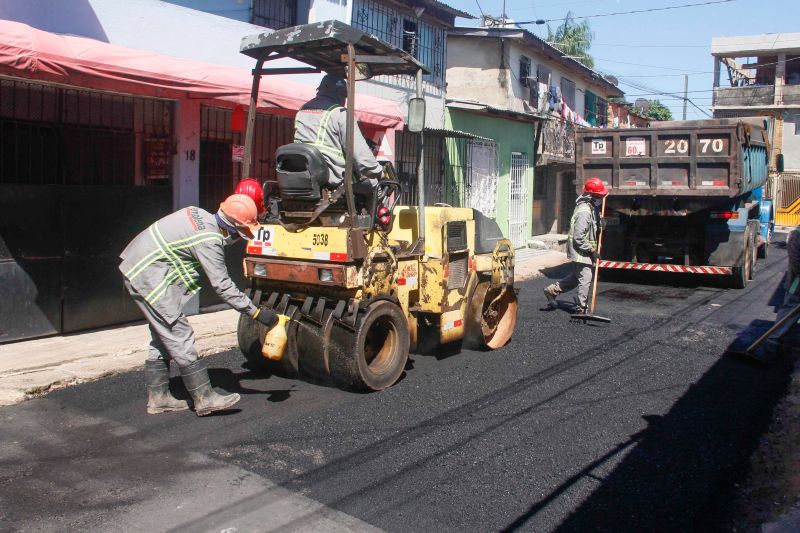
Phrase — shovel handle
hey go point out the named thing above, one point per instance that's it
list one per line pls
(775, 326)
(597, 263)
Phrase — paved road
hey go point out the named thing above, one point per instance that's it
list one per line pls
(638, 426)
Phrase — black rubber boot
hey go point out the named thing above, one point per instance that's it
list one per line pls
(195, 377)
(159, 399)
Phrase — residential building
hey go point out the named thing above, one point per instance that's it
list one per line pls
(622, 114)
(416, 26)
(762, 78)
(118, 112)
(515, 72)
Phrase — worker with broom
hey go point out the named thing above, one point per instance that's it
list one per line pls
(582, 248)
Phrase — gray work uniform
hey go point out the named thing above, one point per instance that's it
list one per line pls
(160, 269)
(581, 242)
(322, 123)
(791, 298)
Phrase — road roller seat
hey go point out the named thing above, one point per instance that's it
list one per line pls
(301, 171)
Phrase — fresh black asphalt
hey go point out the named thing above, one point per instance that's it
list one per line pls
(642, 425)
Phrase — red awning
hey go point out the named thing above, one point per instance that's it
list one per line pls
(78, 61)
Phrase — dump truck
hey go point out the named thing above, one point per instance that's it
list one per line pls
(362, 291)
(686, 196)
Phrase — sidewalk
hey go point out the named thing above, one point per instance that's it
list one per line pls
(32, 368)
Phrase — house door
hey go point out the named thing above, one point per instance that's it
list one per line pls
(518, 200)
(481, 188)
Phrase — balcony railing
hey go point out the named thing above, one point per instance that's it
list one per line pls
(558, 140)
(753, 96)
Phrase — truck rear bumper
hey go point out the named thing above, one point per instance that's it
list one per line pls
(666, 267)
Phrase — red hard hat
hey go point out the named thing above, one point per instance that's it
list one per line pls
(241, 210)
(595, 187)
(252, 188)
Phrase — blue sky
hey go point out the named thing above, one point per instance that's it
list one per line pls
(656, 48)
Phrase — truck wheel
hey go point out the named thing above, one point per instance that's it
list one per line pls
(763, 249)
(742, 272)
(373, 356)
(251, 333)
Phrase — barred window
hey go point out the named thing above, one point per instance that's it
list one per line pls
(424, 41)
(275, 14)
(524, 70)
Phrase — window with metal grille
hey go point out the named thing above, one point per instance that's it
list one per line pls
(568, 92)
(275, 14)
(602, 112)
(524, 70)
(401, 28)
(543, 75)
(62, 136)
(410, 36)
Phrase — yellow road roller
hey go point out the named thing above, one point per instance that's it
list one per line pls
(362, 291)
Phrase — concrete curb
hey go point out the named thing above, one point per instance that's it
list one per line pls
(70, 360)
(33, 368)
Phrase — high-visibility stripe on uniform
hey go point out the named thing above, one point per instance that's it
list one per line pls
(319, 142)
(157, 254)
(172, 257)
(161, 288)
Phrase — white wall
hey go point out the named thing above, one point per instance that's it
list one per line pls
(473, 73)
(791, 140)
(321, 10)
(144, 24)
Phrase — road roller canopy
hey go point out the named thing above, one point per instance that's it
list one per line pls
(321, 45)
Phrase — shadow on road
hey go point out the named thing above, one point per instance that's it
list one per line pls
(679, 473)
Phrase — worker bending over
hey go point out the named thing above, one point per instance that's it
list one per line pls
(160, 267)
(581, 245)
(322, 123)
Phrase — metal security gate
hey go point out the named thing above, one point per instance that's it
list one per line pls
(787, 199)
(518, 200)
(481, 188)
(406, 167)
(71, 159)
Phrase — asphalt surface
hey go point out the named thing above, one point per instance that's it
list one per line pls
(639, 425)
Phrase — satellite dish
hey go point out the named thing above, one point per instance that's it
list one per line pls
(611, 79)
(643, 104)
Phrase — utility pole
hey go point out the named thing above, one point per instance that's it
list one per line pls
(685, 93)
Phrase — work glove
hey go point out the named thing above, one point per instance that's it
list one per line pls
(266, 316)
(595, 256)
(602, 223)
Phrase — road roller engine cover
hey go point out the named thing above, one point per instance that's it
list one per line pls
(361, 285)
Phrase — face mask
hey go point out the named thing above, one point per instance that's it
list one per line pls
(229, 238)
(597, 201)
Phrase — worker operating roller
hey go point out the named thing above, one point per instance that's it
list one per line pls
(160, 267)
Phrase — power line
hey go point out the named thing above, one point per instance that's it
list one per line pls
(653, 45)
(480, 9)
(643, 87)
(650, 66)
(650, 10)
